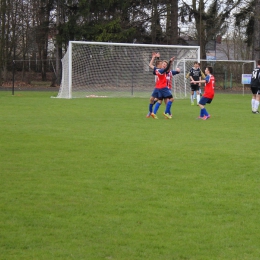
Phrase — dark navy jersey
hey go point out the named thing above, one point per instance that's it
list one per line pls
(255, 79)
(195, 73)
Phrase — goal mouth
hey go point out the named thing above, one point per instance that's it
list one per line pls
(98, 69)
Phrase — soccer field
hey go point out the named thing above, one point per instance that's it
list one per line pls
(96, 179)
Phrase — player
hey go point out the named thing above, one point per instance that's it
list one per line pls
(153, 100)
(169, 75)
(161, 90)
(208, 92)
(255, 88)
(195, 75)
(202, 77)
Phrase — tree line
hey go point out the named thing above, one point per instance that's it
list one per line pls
(27, 26)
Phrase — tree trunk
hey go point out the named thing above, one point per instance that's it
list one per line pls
(58, 46)
(174, 22)
(256, 39)
(2, 40)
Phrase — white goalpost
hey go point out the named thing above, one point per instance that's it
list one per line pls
(99, 69)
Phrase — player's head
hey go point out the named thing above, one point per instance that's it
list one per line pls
(209, 70)
(196, 64)
(158, 64)
(164, 64)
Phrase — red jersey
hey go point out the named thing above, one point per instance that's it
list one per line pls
(169, 77)
(161, 81)
(169, 80)
(209, 87)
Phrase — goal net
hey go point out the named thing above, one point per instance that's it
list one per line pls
(98, 69)
(228, 73)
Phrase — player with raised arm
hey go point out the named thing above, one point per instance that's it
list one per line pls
(158, 65)
(208, 92)
(161, 90)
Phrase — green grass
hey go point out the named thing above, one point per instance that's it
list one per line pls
(95, 179)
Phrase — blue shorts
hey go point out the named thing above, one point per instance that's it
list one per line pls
(164, 93)
(161, 93)
(155, 93)
(205, 100)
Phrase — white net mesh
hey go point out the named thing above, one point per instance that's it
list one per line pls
(119, 70)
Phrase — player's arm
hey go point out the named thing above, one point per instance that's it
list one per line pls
(206, 80)
(152, 60)
(169, 64)
(199, 80)
(190, 75)
(175, 72)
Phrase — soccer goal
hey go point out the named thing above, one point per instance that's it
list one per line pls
(227, 73)
(99, 69)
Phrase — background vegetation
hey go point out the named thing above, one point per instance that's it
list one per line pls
(38, 30)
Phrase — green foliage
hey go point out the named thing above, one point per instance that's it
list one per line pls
(245, 18)
(97, 21)
(112, 31)
(95, 179)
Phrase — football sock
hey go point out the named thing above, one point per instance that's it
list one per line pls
(191, 98)
(168, 107)
(256, 105)
(253, 104)
(198, 99)
(150, 108)
(157, 105)
(203, 112)
(206, 112)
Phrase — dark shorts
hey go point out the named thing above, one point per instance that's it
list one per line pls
(155, 93)
(162, 93)
(254, 90)
(194, 87)
(205, 100)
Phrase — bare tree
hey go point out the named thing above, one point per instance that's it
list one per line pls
(42, 31)
(256, 38)
(2, 40)
(209, 19)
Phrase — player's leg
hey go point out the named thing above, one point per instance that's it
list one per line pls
(254, 101)
(158, 103)
(151, 102)
(203, 112)
(191, 96)
(256, 105)
(167, 112)
(167, 94)
(157, 106)
(198, 96)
